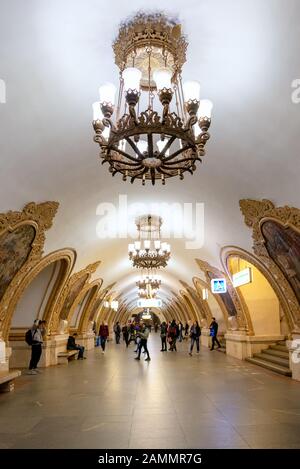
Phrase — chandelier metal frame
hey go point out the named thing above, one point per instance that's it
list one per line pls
(150, 42)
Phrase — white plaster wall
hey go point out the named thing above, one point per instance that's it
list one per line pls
(32, 303)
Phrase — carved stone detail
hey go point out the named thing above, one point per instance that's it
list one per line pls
(242, 315)
(40, 216)
(255, 213)
(87, 271)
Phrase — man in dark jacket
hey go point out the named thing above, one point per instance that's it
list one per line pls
(103, 334)
(214, 332)
(71, 345)
(195, 336)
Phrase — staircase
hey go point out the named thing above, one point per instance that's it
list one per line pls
(222, 341)
(274, 358)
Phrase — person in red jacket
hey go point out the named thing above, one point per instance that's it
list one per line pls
(103, 333)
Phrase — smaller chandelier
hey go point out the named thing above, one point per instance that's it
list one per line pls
(152, 254)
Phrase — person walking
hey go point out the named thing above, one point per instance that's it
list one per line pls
(143, 334)
(103, 334)
(214, 332)
(117, 331)
(180, 331)
(163, 336)
(186, 329)
(195, 336)
(172, 335)
(36, 347)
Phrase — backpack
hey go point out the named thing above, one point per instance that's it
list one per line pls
(28, 337)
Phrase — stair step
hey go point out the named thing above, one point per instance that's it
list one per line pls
(276, 353)
(272, 359)
(281, 342)
(282, 348)
(270, 366)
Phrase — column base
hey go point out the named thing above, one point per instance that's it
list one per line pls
(241, 346)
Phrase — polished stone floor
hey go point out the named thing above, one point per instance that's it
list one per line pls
(175, 401)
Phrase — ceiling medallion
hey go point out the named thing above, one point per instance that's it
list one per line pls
(153, 254)
(158, 127)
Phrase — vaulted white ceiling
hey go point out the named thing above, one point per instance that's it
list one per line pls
(53, 57)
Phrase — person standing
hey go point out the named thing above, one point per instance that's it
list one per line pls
(163, 336)
(186, 329)
(117, 331)
(144, 334)
(125, 331)
(214, 332)
(36, 347)
(195, 336)
(180, 331)
(103, 334)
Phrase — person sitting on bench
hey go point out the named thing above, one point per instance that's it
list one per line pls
(71, 345)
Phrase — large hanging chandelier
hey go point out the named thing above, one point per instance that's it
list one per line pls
(158, 127)
(148, 252)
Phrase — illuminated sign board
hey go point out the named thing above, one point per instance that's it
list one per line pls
(218, 285)
(149, 303)
(242, 278)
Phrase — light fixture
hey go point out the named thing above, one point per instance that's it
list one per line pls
(162, 124)
(152, 254)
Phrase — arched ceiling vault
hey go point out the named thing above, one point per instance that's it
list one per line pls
(66, 47)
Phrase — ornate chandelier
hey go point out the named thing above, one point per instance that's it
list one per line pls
(148, 286)
(153, 254)
(158, 128)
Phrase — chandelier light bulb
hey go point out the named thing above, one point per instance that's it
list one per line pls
(191, 91)
(132, 77)
(106, 132)
(130, 248)
(205, 108)
(107, 93)
(157, 244)
(147, 243)
(137, 245)
(122, 145)
(97, 113)
(162, 78)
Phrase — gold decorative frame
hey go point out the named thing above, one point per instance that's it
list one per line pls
(234, 251)
(201, 306)
(92, 290)
(87, 271)
(256, 212)
(40, 216)
(243, 317)
(68, 256)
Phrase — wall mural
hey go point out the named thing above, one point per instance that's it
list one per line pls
(283, 246)
(15, 248)
(72, 294)
(226, 298)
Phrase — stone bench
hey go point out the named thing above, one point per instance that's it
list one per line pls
(64, 357)
(7, 380)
